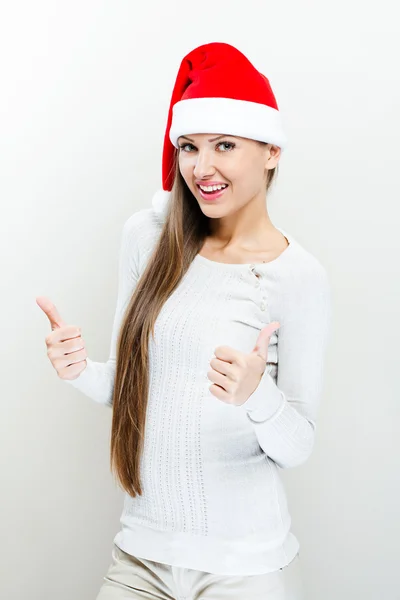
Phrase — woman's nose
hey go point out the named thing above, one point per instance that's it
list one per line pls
(203, 166)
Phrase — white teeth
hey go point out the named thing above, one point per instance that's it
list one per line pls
(212, 188)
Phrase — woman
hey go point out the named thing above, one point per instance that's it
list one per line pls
(204, 414)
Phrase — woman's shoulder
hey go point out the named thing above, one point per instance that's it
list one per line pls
(142, 228)
(140, 233)
(303, 265)
(143, 221)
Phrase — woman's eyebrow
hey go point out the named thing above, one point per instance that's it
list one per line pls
(212, 140)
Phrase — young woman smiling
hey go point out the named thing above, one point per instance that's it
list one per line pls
(216, 363)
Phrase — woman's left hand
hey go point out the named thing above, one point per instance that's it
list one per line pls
(236, 375)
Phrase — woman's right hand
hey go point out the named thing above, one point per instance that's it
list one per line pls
(65, 346)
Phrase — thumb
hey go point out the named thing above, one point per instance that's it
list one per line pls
(261, 346)
(51, 312)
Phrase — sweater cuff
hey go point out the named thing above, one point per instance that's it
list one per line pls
(84, 376)
(266, 400)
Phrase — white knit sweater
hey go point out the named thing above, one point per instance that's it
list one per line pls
(213, 499)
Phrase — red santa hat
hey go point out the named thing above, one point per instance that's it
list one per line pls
(217, 90)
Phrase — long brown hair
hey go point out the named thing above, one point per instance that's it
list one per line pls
(182, 236)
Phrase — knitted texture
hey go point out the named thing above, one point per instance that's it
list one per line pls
(213, 499)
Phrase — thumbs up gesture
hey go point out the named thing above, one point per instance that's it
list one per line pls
(65, 346)
(236, 375)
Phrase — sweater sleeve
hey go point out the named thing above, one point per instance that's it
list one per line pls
(284, 413)
(97, 380)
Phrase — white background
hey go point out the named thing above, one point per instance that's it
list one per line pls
(85, 90)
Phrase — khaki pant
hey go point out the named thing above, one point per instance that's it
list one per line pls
(129, 577)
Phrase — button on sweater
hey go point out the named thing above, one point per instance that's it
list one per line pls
(213, 499)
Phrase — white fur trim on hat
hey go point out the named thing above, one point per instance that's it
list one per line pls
(227, 116)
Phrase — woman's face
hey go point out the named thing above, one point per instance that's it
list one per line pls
(241, 163)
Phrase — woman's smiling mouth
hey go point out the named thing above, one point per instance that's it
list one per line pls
(212, 192)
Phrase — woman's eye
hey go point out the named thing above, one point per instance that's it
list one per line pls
(184, 146)
(227, 144)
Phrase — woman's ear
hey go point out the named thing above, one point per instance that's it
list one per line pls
(273, 156)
